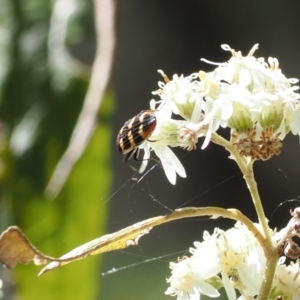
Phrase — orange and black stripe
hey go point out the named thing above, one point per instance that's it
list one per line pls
(134, 132)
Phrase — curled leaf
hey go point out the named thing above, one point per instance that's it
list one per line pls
(15, 248)
(124, 238)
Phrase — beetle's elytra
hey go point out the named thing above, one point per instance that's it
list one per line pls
(134, 132)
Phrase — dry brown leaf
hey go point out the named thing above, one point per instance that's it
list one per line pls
(15, 248)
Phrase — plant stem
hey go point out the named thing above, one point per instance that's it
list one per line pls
(269, 275)
(247, 170)
(252, 186)
(246, 166)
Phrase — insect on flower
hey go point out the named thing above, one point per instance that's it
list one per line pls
(134, 132)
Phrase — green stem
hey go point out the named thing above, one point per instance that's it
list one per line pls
(252, 186)
(246, 166)
(247, 170)
(266, 286)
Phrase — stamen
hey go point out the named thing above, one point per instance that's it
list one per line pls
(211, 62)
(227, 48)
(166, 78)
(276, 62)
(254, 48)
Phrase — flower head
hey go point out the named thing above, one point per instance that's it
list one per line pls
(255, 100)
(250, 96)
(188, 280)
(287, 281)
(232, 259)
(182, 94)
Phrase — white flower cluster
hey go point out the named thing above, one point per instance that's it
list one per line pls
(232, 259)
(250, 96)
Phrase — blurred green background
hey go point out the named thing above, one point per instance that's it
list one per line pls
(44, 77)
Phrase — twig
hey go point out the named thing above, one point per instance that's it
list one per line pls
(105, 31)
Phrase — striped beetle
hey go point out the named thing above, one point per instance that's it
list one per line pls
(134, 132)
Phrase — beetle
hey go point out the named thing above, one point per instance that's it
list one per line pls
(134, 132)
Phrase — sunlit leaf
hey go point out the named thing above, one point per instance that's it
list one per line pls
(119, 240)
(16, 248)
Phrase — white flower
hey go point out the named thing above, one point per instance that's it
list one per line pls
(189, 275)
(253, 97)
(247, 94)
(251, 272)
(183, 94)
(235, 247)
(165, 135)
(287, 281)
(171, 164)
(232, 259)
(188, 279)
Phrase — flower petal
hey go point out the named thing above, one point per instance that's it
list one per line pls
(145, 159)
(170, 162)
(230, 291)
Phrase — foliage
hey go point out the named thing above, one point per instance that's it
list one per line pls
(42, 91)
